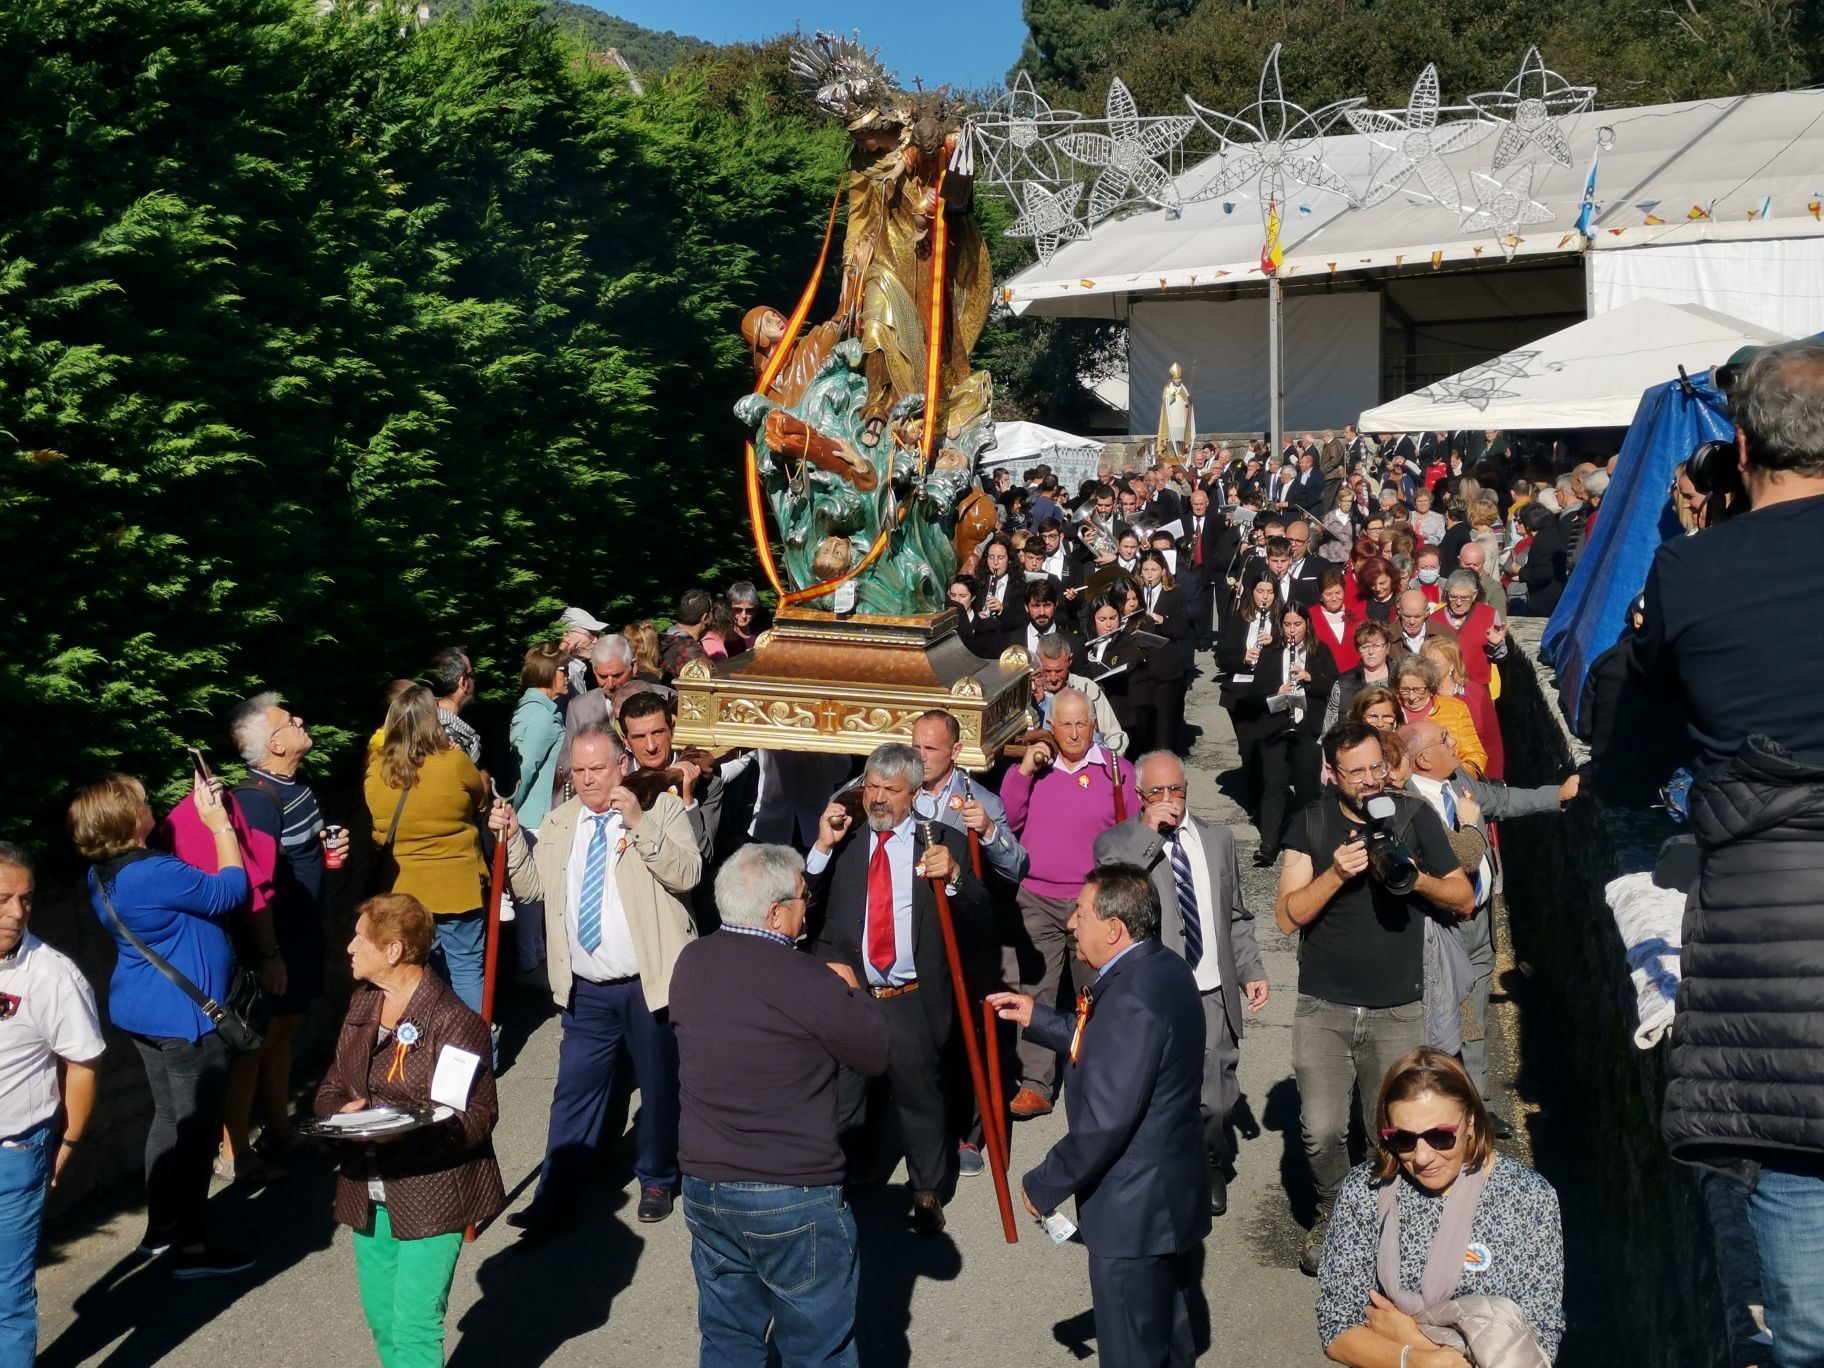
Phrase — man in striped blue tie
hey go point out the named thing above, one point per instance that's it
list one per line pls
(1193, 868)
(615, 880)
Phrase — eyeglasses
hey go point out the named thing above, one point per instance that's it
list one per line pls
(291, 721)
(1159, 791)
(1444, 739)
(1439, 1139)
(1414, 691)
(1362, 772)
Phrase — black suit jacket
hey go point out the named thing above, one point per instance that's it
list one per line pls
(1134, 1158)
(1164, 662)
(839, 908)
(1270, 673)
(1308, 491)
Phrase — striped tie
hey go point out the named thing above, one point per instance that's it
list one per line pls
(1187, 900)
(595, 881)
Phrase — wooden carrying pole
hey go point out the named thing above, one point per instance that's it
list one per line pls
(971, 1042)
(994, 1122)
(490, 959)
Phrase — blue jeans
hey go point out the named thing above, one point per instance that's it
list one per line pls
(461, 946)
(25, 1172)
(764, 1253)
(1787, 1213)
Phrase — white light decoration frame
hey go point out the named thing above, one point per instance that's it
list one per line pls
(1271, 139)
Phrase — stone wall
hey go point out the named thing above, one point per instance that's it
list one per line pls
(1641, 1268)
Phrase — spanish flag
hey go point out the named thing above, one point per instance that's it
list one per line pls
(1652, 219)
(1698, 211)
(1815, 206)
(1271, 258)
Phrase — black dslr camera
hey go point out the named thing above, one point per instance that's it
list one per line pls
(1714, 472)
(1388, 860)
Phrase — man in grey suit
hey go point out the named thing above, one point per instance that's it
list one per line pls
(1194, 870)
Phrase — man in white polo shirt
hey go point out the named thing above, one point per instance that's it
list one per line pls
(47, 1013)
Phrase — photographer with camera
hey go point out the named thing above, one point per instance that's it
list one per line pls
(1745, 1090)
(1364, 867)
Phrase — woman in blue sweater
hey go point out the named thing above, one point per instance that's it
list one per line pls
(180, 912)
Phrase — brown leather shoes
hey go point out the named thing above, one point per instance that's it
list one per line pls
(927, 1214)
(1028, 1103)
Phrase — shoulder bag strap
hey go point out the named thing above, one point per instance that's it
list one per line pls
(208, 1005)
(392, 827)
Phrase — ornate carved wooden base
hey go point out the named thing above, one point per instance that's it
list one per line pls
(843, 686)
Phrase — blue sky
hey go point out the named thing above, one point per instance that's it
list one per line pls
(968, 43)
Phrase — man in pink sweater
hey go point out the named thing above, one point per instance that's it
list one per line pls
(1058, 803)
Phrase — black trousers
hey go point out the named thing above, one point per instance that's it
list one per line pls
(1290, 765)
(915, 1082)
(1142, 1310)
(189, 1085)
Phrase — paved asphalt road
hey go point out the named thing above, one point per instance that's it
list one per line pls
(621, 1294)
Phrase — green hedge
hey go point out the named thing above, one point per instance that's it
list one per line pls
(325, 341)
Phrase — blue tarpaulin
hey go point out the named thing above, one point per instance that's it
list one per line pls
(1671, 422)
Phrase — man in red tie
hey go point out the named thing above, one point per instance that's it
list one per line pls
(874, 910)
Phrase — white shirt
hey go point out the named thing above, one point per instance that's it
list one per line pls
(899, 861)
(1055, 562)
(1209, 969)
(1336, 622)
(1432, 791)
(615, 957)
(50, 1016)
(1095, 755)
(1152, 598)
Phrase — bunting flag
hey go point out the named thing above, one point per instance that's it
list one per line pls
(1815, 206)
(1566, 238)
(1271, 258)
(1653, 220)
(1437, 259)
(1647, 206)
(1332, 266)
(1764, 212)
(1698, 211)
(1399, 261)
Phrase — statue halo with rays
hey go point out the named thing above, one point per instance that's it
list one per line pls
(1271, 139)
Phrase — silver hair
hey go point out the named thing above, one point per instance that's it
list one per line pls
(1151, 755)
(1058, 698)
(611, 648)
(754, 880)
(597, 732)
(16, 856)
(1053, 646)
(1596, 483)
(741, 593)
(1779, 402)
(1565, 487)
(896, 760)
(247, 726)
(1421, 666)
(1464, 579)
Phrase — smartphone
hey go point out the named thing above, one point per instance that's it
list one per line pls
(199, 765)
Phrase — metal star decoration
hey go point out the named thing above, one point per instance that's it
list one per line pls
(1529, 109)
(1127, 154)
(1049, 218)
(1016, 138)
(1281, 139)
(1416, 141)
(1505, 207)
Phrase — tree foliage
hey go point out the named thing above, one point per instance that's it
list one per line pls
(324, 344)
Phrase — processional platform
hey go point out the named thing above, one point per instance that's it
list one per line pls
(843, 685)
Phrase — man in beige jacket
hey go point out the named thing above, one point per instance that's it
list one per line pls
(616, 882)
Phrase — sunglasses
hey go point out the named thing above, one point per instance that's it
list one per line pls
(1440, 1139)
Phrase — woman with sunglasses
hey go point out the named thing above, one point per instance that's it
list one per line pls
(1436, 1215)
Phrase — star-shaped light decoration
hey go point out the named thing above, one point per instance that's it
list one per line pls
(1271, 139)
(1479, 386)
(1416, 141)
(1049, 218)
(1127, 154)
(1504, 207)
(1529, 109)
(1016, 139)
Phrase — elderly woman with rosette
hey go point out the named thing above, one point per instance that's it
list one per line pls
(409, 1197)
(1441, 1253)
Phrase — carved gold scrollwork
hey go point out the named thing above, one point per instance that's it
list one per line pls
(753, 713)
(695, 669)
(878, 721)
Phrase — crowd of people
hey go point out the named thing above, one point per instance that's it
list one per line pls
(758, 937)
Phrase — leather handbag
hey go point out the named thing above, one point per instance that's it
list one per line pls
(241, 1019)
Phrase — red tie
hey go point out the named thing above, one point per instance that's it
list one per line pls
(1197, 542)
(883, 949)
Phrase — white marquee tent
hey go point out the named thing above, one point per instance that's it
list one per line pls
(1717, 203)
(1591, 374)
(1071, 458)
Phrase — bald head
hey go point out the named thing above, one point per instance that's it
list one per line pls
(1473, 556)
(1413, 609)
(1428, 749)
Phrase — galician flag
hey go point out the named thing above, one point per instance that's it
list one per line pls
(1271, 258)
(1586, 217)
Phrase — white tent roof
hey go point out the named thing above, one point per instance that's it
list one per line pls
(1035, 442)
(1591, 374)
(1727, 157)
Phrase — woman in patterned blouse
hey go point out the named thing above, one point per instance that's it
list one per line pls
(1435, 1180)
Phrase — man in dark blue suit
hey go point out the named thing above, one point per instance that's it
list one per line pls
(1134, 1158)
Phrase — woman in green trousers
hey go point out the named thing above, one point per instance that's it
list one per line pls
(408, 1199)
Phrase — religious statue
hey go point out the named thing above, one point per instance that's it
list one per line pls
(1177, 419)
(840, 443)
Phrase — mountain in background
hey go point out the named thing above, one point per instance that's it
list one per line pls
(644, 49)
